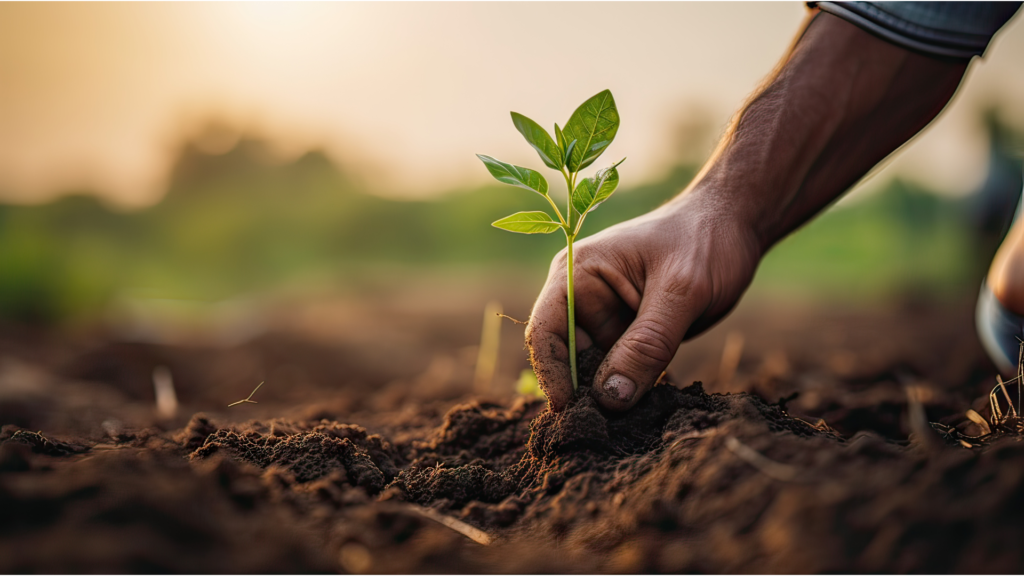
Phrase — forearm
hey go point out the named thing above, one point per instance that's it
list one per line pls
(841, 101)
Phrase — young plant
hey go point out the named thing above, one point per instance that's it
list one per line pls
(590, 130)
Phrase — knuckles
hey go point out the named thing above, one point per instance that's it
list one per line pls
(585, 251)
(590, 257)
(558, 265)
(587, 258)
(687, 285)
(651, 342)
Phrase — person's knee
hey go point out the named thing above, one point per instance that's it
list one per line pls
(999, 330)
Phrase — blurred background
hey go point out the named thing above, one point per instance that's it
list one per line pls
(288, 192)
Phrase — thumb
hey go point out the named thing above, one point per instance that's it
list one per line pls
(638, 358)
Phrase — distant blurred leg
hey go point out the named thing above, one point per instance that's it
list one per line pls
(1006, 275)
(1000, 312)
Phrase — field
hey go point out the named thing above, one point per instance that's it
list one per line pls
(792, 437)
(255, 316)
(799, 453)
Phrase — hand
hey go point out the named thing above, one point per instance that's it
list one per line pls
(642, 286)
(840, 101)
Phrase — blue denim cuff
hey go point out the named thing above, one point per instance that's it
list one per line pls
(957, 30)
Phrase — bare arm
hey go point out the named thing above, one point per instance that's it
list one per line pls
(840, 101)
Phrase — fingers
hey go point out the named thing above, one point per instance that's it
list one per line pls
(600, 310)
(635, 362)
(546, 338)
(583, 340)
(597, 313)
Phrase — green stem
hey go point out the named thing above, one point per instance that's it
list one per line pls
(568, 186)
(572, 313)
(579, 223)
(557, 212)
(570, 235)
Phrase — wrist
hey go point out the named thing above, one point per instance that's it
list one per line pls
(722, 208)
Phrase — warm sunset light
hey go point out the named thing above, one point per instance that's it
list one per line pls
(97, 96)
(511, 287)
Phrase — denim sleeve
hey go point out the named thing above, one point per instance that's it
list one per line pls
(956, 30)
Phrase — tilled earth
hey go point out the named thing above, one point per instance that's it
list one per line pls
(748, 481)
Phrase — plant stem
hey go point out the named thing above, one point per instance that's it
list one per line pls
(570, 235)
(572, 314)
(557, 212)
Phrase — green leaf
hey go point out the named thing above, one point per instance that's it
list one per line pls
(594, 125)
(568, 151)
(559, 137)
(583, 195)
(590, 192)
(515, 175)
(539, 139)
(528, 223)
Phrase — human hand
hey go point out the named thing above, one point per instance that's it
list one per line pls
(642, 286)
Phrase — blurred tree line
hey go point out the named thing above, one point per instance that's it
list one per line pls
(239, 222)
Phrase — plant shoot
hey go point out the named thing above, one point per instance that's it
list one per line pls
(590, 130)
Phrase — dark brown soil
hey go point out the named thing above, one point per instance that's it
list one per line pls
(687, 481)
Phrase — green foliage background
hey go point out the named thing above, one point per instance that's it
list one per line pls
(237, 223)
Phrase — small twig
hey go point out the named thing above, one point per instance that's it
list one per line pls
(1020, 369)
(490, 346)
(163, 388)
(1006, 395)
(977, 419)
(923, 433)
(249, 399)
(520, 322)
(769, 467)
(475, 534)
(993, 403)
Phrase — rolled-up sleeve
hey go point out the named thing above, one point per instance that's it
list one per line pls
(956, 30)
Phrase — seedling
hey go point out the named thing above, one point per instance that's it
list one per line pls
(590, 130)
(249, 399)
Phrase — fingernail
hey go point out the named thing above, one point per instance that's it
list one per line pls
(620, 387)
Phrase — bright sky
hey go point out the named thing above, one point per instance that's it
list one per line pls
(97, 95)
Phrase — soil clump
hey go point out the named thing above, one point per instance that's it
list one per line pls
(688, 480)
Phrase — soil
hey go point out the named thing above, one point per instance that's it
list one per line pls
(806, 462)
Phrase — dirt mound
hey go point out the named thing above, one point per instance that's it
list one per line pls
(143, 510)
(36, 442)
(493, 466)
(580, 439)
(689, 480)
(360, 458)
